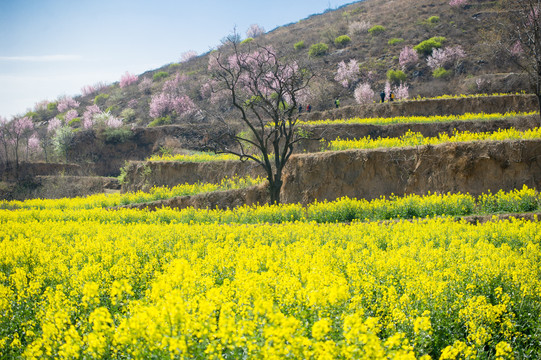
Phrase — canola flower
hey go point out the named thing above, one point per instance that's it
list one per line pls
(463, 96)
(111, 200)
(430, 288)
(411, 138)
(421, 119)
(340, 210)
(196, 157)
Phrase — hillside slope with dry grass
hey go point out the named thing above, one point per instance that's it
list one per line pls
(405, 23)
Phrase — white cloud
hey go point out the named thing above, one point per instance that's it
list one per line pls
(42, 58)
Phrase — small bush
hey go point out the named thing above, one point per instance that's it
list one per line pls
(100, 99)
(173, 67)
(441, 73)
(299, 45)
(426, 47)
(160, 75)
(75, 122)
(165, 120)
(116, 135)
(342, 41)
(318, 49)
(433, 20)
(128, 115)
(395, 41)
(247, 40)
(396, 76)
(52, 106)
(376, 30)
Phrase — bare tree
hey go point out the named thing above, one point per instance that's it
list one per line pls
(519, 36)
(265, 91)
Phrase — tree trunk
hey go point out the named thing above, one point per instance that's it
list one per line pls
(539, 103)
(274, 189)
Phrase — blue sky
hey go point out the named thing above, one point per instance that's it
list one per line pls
(50, 48)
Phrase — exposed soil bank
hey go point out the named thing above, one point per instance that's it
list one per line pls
(474, 167)
(432, 107)
(56, 187)
(146, 174)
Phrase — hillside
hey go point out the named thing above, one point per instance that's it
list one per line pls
(405, 23)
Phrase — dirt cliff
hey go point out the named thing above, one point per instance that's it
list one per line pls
(474, 167)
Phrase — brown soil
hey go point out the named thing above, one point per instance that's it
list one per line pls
(474, 167)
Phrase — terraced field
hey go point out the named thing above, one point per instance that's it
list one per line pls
(383, 276)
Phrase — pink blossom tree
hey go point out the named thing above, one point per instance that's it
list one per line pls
(446, 57)
(408, 56)
(364, 94)
(401, 91)
(127, 79)
(33, 145)
(264, 90)
(458, 3)
(347, 74)
(88, 90)
(66, 103)
(20, 131)
(172, 101)
(88, 116)
(188, 55)
(70, 115)
(145, 85)
(254, 31)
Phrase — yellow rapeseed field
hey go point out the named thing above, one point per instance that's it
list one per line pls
(81, 283)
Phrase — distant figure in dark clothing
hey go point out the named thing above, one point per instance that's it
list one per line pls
(337, 103)
(300, 109)
(382, 96)
(308, 108)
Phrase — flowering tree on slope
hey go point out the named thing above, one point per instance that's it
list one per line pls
(264, 90)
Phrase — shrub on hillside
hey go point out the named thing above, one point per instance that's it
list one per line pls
(396, 76)
(376, 30)
(160, 75)
(164, 120)
(433, 20)
(441, 73)
(395, 41)
(100, 99)
(342, 41)
(318, 49)
(299, 45)
(247, 41)
(128, 115)
(425, 47)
